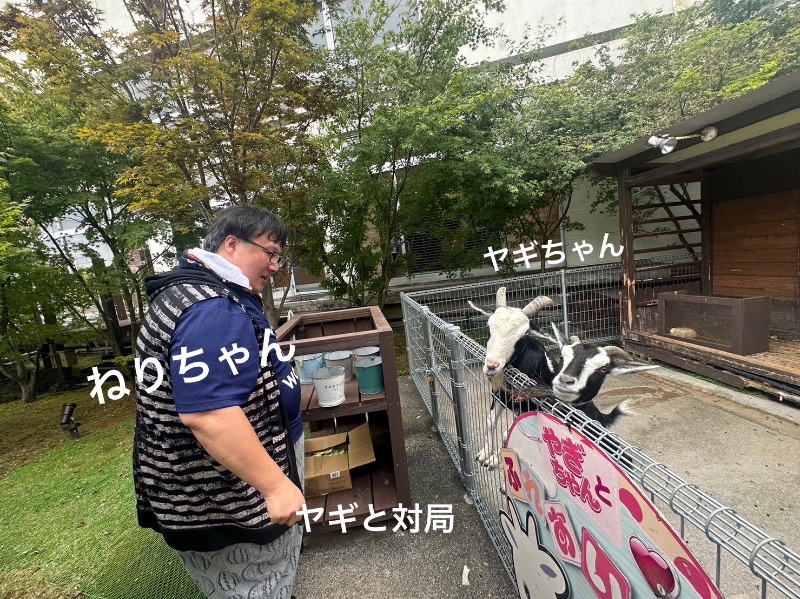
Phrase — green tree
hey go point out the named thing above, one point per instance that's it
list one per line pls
(383, 133)
(211, 112)
(673, 67)
(53, 176)
(30, 292)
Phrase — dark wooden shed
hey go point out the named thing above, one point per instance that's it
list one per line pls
(728, 306)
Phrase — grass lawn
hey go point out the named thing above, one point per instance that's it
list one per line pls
(28, 431)
(69, 524)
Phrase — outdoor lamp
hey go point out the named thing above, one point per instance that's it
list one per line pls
(67, 423)
(666, 142)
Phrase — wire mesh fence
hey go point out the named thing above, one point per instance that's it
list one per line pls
(446, 349)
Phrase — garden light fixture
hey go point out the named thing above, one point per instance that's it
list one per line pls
(666, 142)
(67, 423)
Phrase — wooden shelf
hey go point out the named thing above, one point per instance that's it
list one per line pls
(377, 487)
(383, 484)
(355, 402)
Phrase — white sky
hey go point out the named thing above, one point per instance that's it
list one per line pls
(114, 14)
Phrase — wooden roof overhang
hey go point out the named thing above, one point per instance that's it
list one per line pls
(759, 123)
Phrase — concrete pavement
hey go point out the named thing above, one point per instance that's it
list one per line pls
(741, 449)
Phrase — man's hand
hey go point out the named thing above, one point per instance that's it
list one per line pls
(284, 502)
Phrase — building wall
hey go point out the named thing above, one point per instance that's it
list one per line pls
(755, 246)
(571, 21)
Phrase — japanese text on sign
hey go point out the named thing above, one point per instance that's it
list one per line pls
(439, 517)
(194, 371)
(567, 463)
(553, 252)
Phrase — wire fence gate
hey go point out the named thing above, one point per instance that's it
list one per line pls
(446, 343)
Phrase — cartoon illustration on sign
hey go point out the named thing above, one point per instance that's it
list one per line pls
(537, 572)
(588, 530)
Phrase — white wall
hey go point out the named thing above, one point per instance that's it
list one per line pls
(572, 19)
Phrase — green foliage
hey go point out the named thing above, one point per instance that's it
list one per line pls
(206, 112)
(389, 138)
(53, 175)
(402, 93)
(674, 67)
(229, 109)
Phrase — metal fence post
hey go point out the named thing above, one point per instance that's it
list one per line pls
(564, 302)
(460, 396)
(430, 365)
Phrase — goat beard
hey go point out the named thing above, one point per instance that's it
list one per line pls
(498, 381)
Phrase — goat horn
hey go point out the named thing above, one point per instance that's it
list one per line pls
(558, 336)
(533, 307)
(501, 297)
(573, 339)
(612, 351)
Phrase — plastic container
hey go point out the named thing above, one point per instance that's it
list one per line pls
(329, 385)
(366, 352)
(369, 372)
(343, 359)
(306, 365)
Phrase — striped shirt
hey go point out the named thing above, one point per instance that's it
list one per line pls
(181, 491)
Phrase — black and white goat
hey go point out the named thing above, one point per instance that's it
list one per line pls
(575, 379)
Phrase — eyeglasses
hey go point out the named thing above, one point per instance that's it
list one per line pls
(274, 257)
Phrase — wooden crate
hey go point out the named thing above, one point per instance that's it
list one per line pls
(384, 484)
(736, 325)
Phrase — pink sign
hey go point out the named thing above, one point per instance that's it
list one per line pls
(588, 530)
(563, 534)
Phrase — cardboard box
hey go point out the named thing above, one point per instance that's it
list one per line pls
(330, 473)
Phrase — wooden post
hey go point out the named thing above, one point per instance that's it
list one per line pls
(628, 296)
(395, 415)
(706, 211)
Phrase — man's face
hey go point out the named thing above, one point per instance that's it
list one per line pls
(254, 261)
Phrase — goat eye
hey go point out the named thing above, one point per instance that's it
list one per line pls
(604, 369)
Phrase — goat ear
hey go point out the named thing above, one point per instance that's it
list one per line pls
(540, 334)
(618, 367)
(479, 309)
(621, 362)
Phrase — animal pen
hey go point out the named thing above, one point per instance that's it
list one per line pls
(446, 342)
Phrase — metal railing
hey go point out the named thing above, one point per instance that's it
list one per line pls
(446, 349)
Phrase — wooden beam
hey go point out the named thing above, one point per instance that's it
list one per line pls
(691, 365)
(662, 204)
(641, 269)
(679, 233)
(659, 233)
(671, 219)
(670, 278)
(731, 152)
(685, 199)
(684, 246)
(716, 357)
(697, 177)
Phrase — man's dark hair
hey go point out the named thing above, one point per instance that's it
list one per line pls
(245, 222)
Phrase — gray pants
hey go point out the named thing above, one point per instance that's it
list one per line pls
(247, 570)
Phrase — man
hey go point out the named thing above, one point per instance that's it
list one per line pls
(218, 444)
